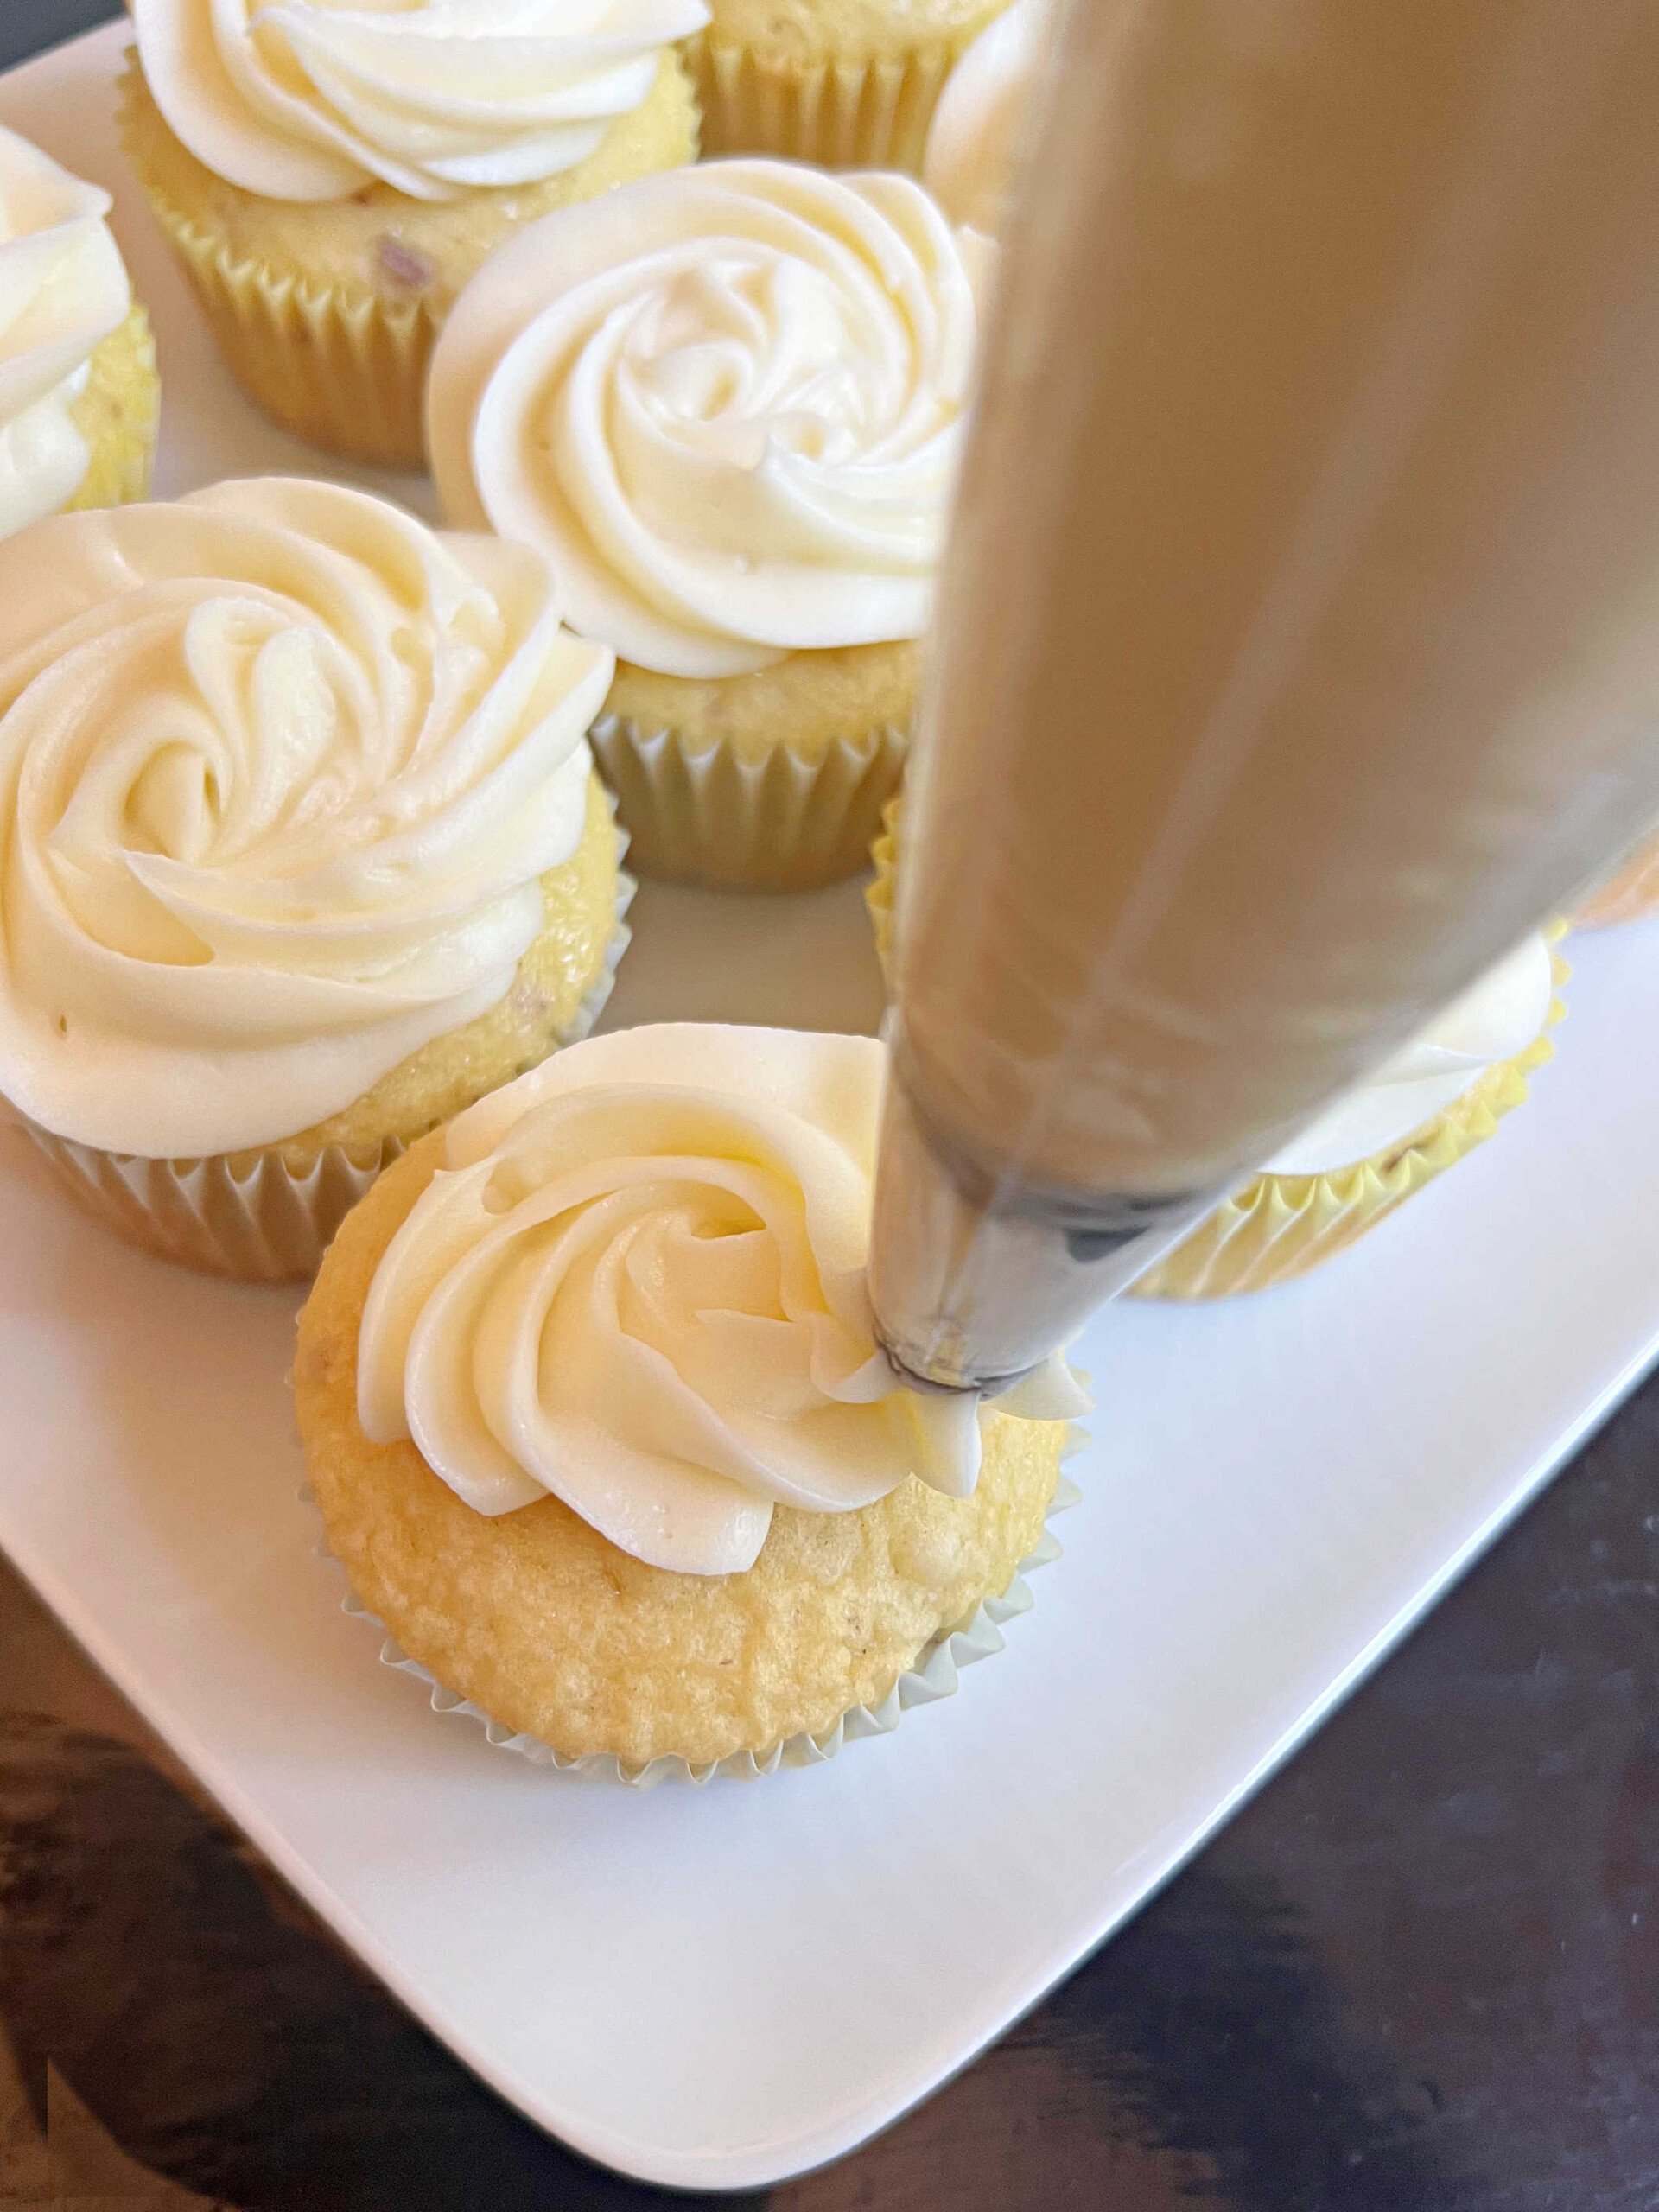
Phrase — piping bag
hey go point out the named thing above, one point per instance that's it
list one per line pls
(1297, 648)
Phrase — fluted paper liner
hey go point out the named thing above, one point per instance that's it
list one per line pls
(787, 822)
(883, 885)
(251, 1215)
(934, 1673)
(1279, 1226)
(1629, 896)
(842, 115)
(345, 370)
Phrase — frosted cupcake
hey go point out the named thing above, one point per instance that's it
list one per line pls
(301, 851)
(728, 405)
(592, 1409)
(1423, 1112)
(974, 141)
(852, 84)
(1420, 1113)
(330, 176)
(79, 393)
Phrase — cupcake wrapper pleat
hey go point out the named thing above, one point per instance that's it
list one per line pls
(345, 372)
(934, 1673)
(261, 1221)
(780, 823)
(347, 375)
(840, 114)
(252, 1216)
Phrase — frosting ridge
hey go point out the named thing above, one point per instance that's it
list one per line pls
(280, 772)
(728, 403)
(638, 1284)
(314, 99)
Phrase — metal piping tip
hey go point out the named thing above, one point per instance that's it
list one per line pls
(974, 1284)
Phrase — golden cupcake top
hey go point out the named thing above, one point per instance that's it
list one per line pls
(281, 770)
(315, 100)
(63, 290)
(638, 1285)
(727, 403)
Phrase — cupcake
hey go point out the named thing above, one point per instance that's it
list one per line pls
(729, 406)
(594, 1412)
(1420, 1113)
(974, 141)
(302, 851)
(330, 177)
(851, 83)
(79, 393)
(1630, 895)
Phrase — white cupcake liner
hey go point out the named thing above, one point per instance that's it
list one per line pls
(783, 822)
(934, 1673)
(253, 1216)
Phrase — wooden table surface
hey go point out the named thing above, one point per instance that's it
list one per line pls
(1418, 1974)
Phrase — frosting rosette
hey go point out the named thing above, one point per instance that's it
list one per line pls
(728, 403)
(315, 100)
(638, 1284)
(281, 770)
(63, 290)
(972, 142)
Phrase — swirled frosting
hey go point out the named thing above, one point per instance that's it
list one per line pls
(314, 99)
(63, 290)
(1495, 1020)
(973, 138)
(726, 402)
(638, 1284)
(280, 769)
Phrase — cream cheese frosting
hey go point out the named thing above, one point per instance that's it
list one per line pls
(280, 771)
(974, 139)
(638, 1285)
(1495, 1020)
(314, 99)
(63, 290)
(728, 403)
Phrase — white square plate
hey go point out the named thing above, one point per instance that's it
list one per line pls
(720, 1988)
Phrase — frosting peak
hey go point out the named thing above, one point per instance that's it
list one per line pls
(63, 290)
(280, 772)
(638, 1283)
(313, 99)
(728, 403)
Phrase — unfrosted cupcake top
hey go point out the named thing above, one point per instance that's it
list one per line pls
(638, 1284)
(63, 290)
(726, 402)
(314, 99)
(1495, 1018)
(280, 772)
(974, 135)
